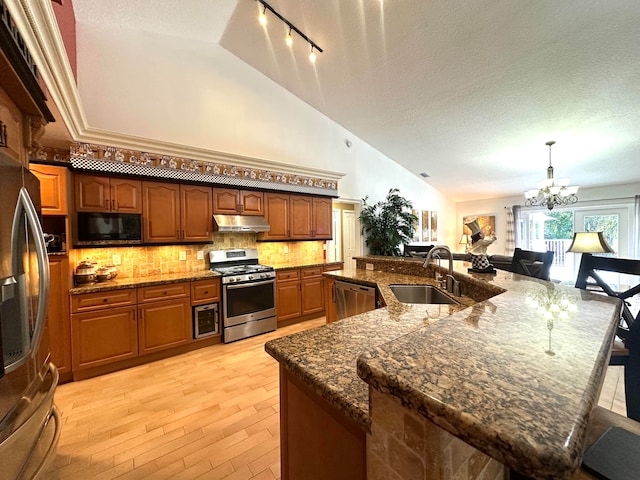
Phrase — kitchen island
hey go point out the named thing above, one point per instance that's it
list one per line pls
(446, 391)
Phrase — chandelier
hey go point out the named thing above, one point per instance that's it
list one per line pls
(549, 194)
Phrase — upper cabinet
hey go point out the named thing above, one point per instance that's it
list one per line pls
(53, 188)
(277, 213)
(230, 201)
(105, 194)
(176, 213)
(297, 217)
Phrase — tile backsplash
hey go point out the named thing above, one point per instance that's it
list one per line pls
(153, 260)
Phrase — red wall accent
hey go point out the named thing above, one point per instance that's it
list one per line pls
(67, 24)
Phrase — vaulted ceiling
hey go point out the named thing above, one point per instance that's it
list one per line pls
(466, 92)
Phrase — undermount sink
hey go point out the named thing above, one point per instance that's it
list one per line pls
(421, 294)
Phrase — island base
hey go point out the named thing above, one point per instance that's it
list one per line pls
(403, 444)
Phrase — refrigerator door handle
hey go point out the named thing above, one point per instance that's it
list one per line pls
(26, 205)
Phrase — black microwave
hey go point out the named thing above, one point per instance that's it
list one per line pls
(109, 228)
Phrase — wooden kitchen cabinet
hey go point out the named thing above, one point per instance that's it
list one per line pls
(322, 220)
(196, 217)
(12, 119)
(205, 291)
(288, 301)
(311, 291)
(301, 217)
(276, 212)
(104, 328)
(160, 212)
(59, 326)
(53, 188)
(103, 336)
(164, 324)
(175, 213)
(105, 194)
(164, 316)
(230, 201)
(329, 289)
(297, 217)
(330, 311)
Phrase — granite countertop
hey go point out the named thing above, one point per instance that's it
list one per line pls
(528, 389)
(146, 281)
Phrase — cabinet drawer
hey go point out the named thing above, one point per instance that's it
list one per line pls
(288, 275)
(331, 268)
(205, 291)
(311, 272)
(163, 292)
(112, 298)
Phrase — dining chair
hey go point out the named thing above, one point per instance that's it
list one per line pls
(626, 348)
(532, 264)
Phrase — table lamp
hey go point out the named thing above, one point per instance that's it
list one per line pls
(589, 242)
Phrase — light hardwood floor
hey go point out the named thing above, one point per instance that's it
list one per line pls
(208, 414)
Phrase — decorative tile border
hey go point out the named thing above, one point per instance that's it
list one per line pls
(49, 154)
(98, 158)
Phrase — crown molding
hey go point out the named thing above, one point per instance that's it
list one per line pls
(37, 23)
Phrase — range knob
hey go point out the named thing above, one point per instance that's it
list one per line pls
(238, 279)
(263, 275)
(250, 277)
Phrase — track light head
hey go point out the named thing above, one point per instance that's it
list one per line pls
(263, 17)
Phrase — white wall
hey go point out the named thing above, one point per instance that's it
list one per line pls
(614, 194)
(200, 95)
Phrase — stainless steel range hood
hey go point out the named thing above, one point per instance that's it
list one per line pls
(240, 223)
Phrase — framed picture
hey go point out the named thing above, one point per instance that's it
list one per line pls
(433, 223)
(487, 224)
(426, 226)
(416, 226)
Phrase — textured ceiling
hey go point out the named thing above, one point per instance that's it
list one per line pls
(468, 92)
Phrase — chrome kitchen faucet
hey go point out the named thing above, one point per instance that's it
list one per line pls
(451, 284)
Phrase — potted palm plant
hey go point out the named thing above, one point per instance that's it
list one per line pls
(387, 223)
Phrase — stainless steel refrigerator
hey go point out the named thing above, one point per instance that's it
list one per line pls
(29, 422)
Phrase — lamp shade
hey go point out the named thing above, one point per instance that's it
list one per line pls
(464, 239)
(589, 242)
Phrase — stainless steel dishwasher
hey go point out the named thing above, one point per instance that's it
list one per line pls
(352, 299)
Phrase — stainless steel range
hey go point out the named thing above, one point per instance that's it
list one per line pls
(248, 293)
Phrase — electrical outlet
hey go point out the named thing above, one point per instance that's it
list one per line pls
(369, 266)
(285, 249)
(183, 255)
(200, 255)
(117, 259)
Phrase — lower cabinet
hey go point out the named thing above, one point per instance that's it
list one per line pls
(288, 302)
(164, 324)
(301, 291)
(116, 325)
(104, 336)
(58, 314)
(312, 293)
(330, 299)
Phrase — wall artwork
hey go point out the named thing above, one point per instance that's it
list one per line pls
(416, 226)
(434, 225)
(487, 224)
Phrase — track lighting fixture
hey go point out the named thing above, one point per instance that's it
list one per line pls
(263, 17)
(288, 39)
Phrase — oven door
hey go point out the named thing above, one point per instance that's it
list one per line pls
(246, 302)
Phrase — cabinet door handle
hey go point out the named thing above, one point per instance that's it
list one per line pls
(178, 234)
(113, 205)
(106, 204)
